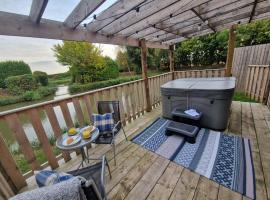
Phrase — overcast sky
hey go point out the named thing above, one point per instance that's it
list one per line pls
(38, 52)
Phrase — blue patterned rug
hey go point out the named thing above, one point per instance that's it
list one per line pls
(223, 158)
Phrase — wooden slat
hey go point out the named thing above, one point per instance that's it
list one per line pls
(42, 137)
(56, 128)
(66, 114)
(88, 106)
(5, 190)
(37, 9)
(116, 11)
(82, 11)
(78, 109)
(18, 132)
(9, 165)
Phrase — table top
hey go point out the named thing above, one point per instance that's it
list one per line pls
(82, 143)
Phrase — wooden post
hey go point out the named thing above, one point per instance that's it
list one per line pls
(230, 52)
(144, 74)
(171, 57)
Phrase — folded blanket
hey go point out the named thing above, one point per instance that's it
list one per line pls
(70, 189)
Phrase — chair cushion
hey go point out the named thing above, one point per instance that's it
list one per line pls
(103, 122)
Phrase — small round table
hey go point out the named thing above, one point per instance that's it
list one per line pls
(79, 145)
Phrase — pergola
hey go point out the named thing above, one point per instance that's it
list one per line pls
(142, 23)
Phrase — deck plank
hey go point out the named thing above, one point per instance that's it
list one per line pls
(235, 118)
(186, 185)
(149, 179)
(206, 189)
(248, 131)
(141, 174)
(124, 168)
(121, 190)
(263, 135)
(227, 194)
(166, 183)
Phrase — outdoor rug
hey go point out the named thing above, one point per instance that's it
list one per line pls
(223, 158)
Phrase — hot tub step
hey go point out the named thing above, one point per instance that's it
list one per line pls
(189, 132)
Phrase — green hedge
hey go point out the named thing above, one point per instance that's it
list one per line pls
(17, 85)
(12, 68)
(28, 96)
(41, 77)
(76, 88)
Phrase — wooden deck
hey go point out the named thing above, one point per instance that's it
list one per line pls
(141, 174)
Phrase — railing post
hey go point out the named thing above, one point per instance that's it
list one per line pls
(171, 57)
(144, 74)
(230, 52)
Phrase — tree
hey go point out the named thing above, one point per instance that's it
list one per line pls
(111, 70)
(83, 58)
(123, 60)
(134, 56)
(254, 33)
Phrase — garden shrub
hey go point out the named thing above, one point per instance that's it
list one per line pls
(41, 77)
(110, 71)
(28, 96)
(76, 88)
(10, 100)
(12, 68)
(17, 85)
(46, 91)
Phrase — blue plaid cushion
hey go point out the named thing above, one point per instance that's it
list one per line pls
(103, 122)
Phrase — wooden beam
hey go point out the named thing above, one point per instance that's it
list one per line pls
(20, 25)
(223, 21)
(81, 12)
(210, 11)
(171, 57)
(203, 20)
(144, 74)
(253, 11)
(116, 11)
(150, 13)
(37, 10)
(231, 46)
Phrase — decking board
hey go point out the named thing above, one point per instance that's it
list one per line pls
(140, 174)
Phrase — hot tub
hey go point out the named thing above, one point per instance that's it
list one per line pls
(210, 96)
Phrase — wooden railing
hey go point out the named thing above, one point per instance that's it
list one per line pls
(132, 101)
(258, 83)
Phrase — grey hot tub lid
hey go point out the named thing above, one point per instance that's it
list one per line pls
(220, 83)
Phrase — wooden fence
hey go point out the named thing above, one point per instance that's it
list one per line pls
(245, 56)
(132, 102)
(200, 73)
(258, 82)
